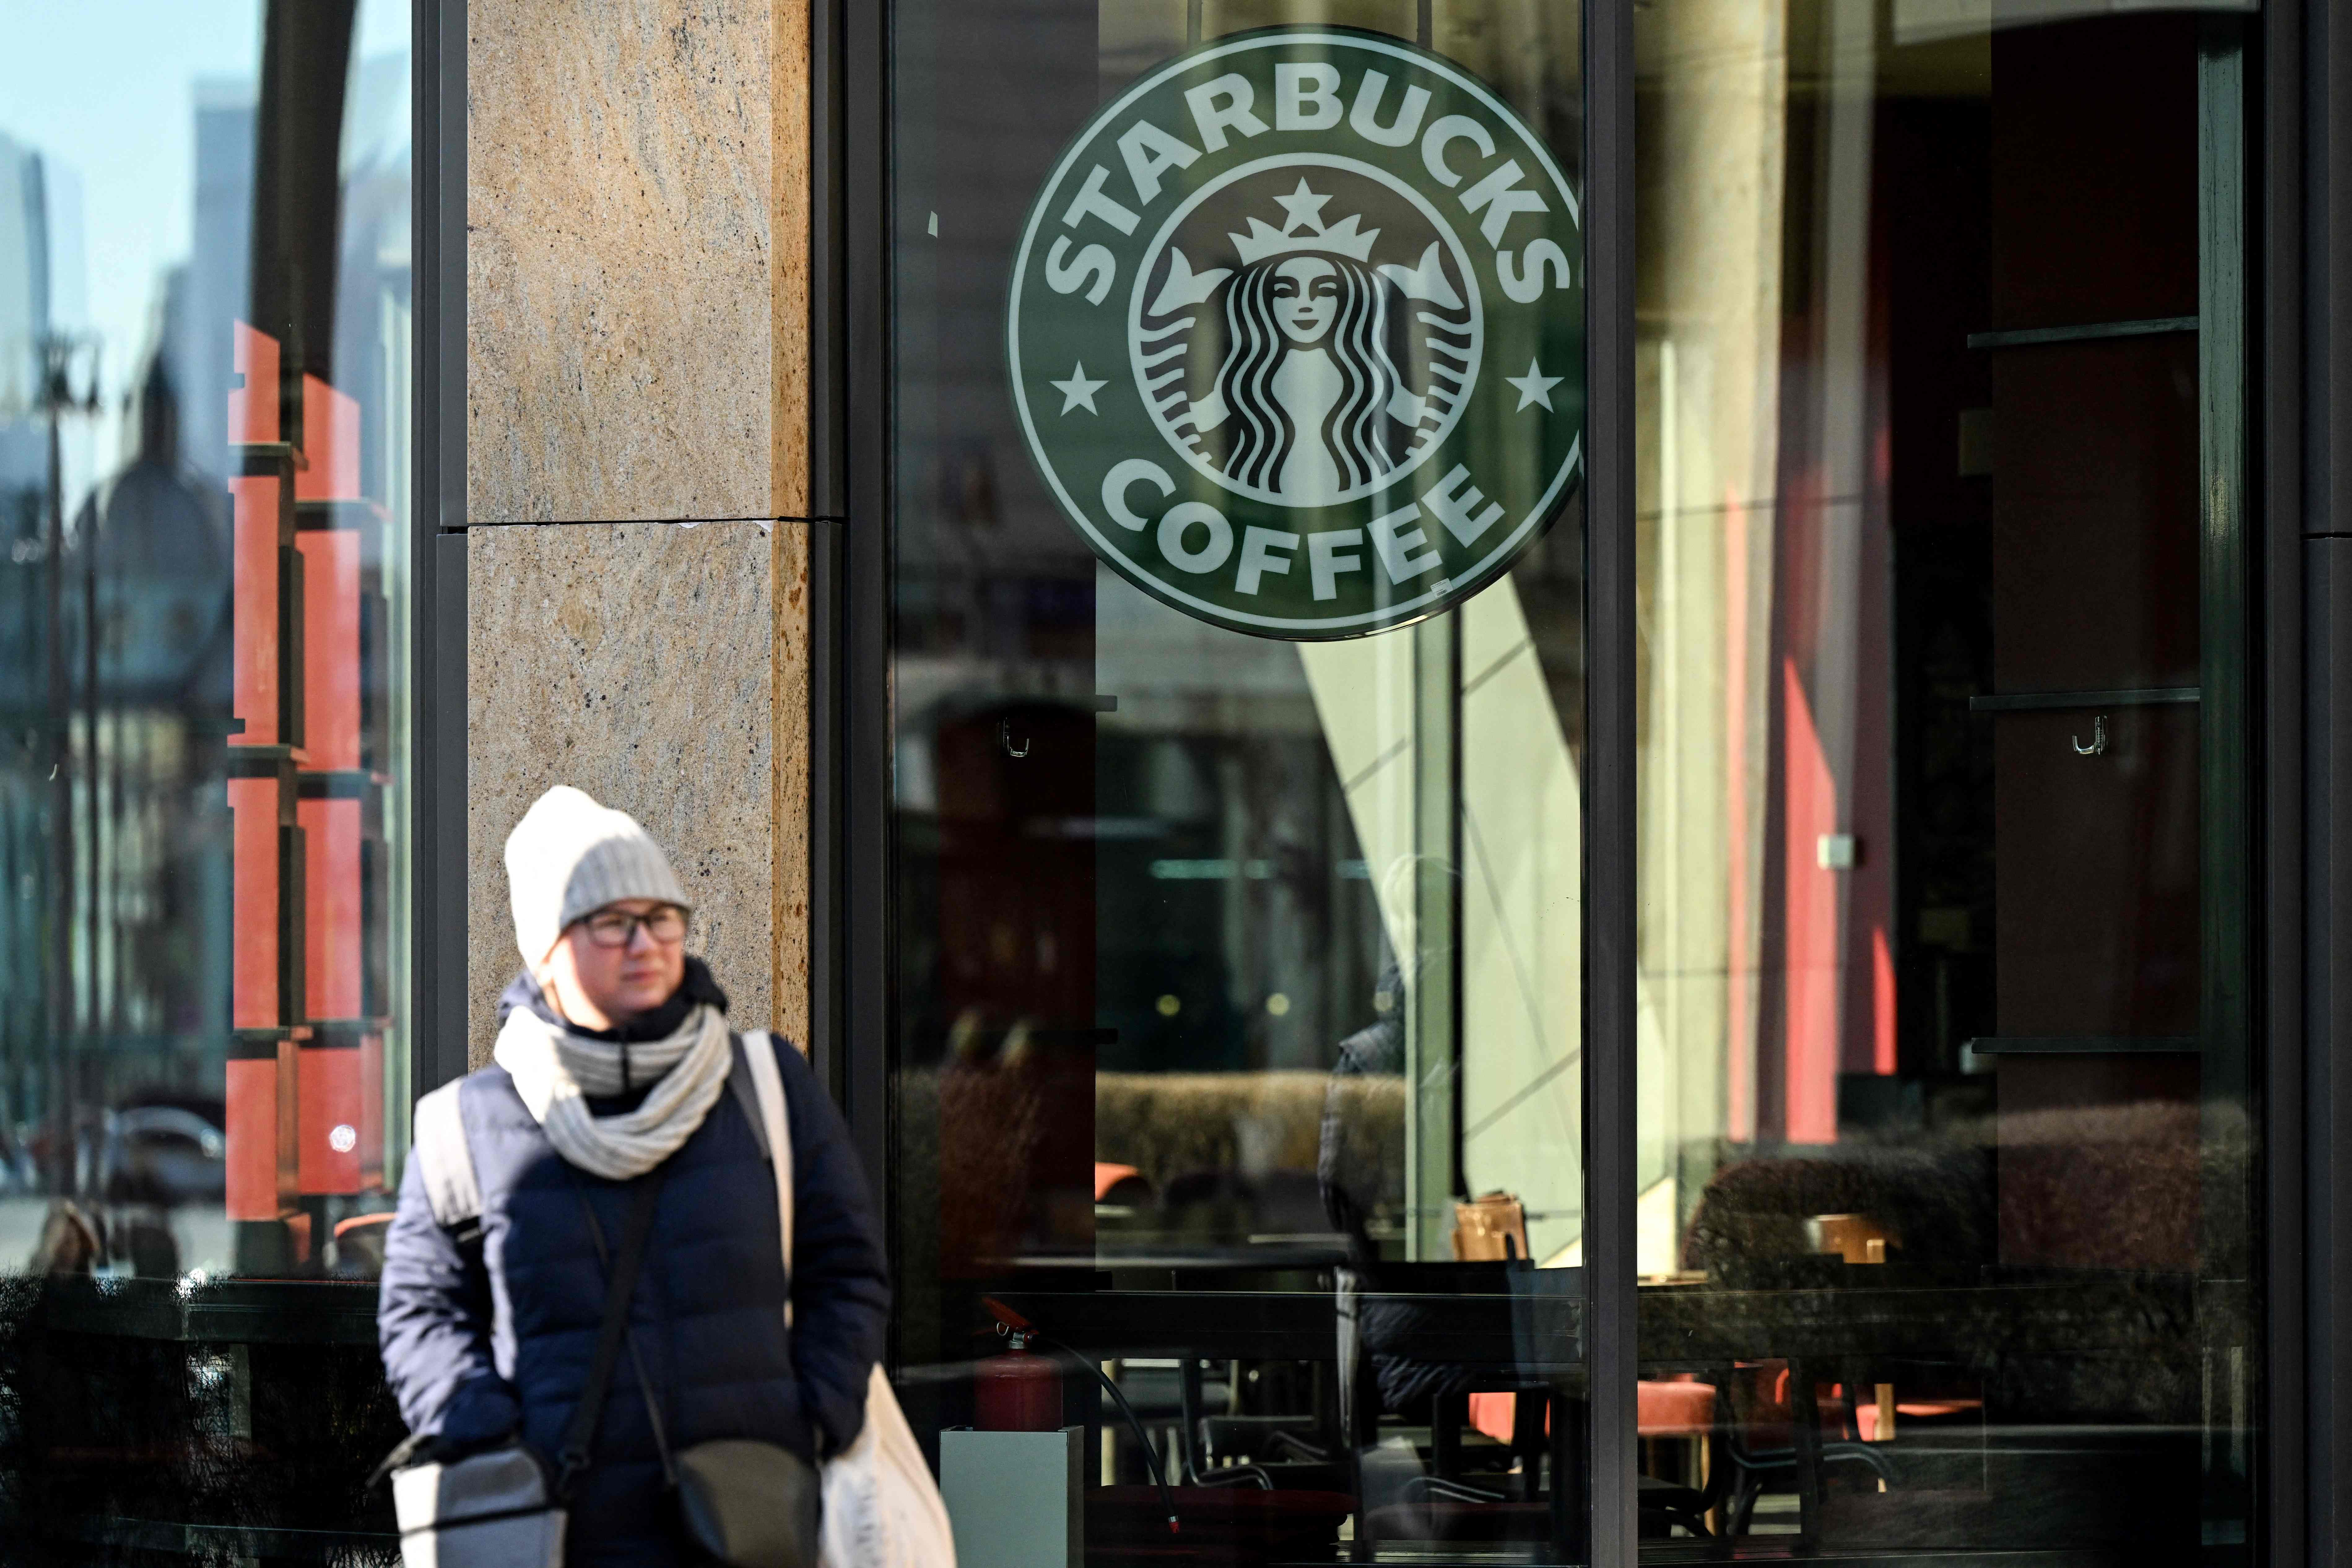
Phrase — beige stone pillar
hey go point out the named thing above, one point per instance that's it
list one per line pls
(636, 458)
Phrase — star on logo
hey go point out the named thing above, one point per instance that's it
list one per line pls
(1535, 386)
(1303, 205)
(1079, 393)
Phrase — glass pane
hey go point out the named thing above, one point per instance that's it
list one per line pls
(1230, 966)
(205, 332)
(205, 329)
(204, 458)
(1944, 1087)
(204, 711)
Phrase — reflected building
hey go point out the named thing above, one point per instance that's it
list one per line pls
(40, 295)
(210, 289)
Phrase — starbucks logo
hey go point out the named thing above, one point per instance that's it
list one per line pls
(1297, 334)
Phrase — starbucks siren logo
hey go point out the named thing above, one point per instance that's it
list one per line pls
(1306, 269)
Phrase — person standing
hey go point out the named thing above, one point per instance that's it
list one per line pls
(611, 1064)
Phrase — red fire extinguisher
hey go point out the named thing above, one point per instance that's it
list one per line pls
(1018, 1391)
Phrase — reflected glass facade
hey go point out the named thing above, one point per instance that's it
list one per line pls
(206, 328)
(1949, 1157)
(1941, 1203)
(1227, 966)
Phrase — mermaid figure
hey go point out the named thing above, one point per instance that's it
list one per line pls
(1315, 405)
(1306, 379)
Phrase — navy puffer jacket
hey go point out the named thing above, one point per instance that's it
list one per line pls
(479, 1343)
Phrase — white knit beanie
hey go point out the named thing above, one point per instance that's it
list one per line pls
(570, 856)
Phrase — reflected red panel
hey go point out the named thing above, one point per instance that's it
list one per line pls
(328, 1113)
(1882, 1002)
(253, 405)
(332, 955)
(370, 1121)
(253, 812)
(253, 1139)
(331, 645)
(330, 443)
(254, 670)
(1810, 933)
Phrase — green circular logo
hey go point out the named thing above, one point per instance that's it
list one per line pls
(1298, 334)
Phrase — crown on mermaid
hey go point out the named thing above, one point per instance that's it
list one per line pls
(1347, 238)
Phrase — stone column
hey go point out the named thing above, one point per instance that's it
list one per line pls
(637, 467)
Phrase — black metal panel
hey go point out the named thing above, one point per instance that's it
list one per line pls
(828, 307)
(2276, 219)
(2322, 375)
(440, 173)
(2327, 888)
(829, 616)
(1610, 903)
(2328, 955)
(827, 919)
(441, 955)
(437, 1001)
(862, 963)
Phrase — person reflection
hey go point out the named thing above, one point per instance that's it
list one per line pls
(1360, 1157)
(1360, 1162)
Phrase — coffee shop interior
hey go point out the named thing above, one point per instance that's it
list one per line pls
(1819, 888)
(1239, 1048)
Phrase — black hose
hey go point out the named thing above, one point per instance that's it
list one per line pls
(1142, 1438)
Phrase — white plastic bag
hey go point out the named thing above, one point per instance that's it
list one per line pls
(882, 1508)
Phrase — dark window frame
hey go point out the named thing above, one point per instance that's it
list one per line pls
(437, 546)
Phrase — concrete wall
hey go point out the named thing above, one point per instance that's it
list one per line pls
(637, 279)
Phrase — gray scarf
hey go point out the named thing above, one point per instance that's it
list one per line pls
(553, 1071)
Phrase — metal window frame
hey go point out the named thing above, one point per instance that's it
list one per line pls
(2273, 222)
(1610, 888)
(438, 545)
(2300, 419)
(852, 1010)
(2306, 450)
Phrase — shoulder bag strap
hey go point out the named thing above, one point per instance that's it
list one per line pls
(579, 1436)
(767, 1083)
(444, 1158)
(739, 1086)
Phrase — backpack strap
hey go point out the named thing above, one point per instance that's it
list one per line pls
(768, 1085)
(747, 1094)
(441, 1152)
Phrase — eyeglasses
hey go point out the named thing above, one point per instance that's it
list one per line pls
(618, 928)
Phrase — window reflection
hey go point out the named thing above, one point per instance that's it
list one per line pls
(1230, 970)
(205, 349)
(1944, 1081)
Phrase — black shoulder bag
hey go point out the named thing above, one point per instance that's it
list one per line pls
(747, 1504)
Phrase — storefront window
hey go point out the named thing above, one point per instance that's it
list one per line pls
(206, 329)
(1238, 833)
(1948, 1171)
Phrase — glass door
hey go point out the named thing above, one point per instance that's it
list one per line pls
(1238, 727)
(1946, 1097)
